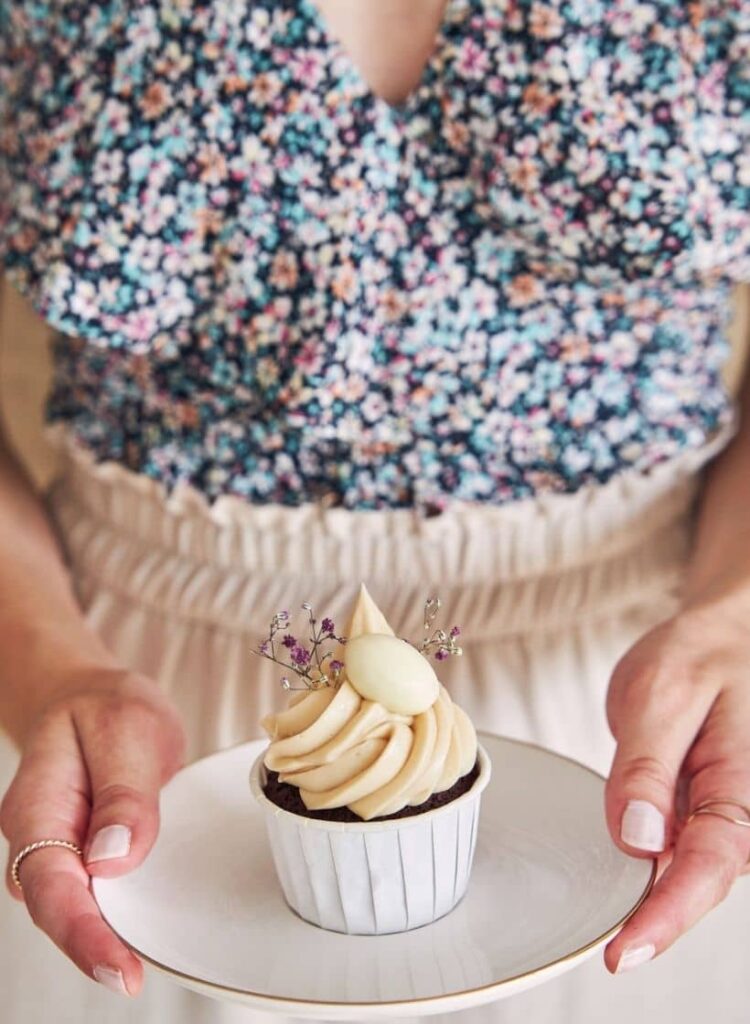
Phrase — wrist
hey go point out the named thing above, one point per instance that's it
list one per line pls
(716, 603)
(45, 664)
(725, 592)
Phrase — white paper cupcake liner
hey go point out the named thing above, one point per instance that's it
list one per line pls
(376, 877)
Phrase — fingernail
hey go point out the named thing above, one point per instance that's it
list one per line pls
(634, 956)
(643, 826)
(111, 978)
(110, 842)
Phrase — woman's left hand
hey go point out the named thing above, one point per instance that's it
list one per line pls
(679, 708)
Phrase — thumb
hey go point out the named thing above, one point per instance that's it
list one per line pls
(131, 748)
(655, 717)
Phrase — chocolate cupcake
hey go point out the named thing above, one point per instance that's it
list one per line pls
(371, 783)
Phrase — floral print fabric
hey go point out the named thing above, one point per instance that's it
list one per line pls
(268, 282)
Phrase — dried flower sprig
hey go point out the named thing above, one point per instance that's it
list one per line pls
(317, 667)
(441, 644)
(306, 662)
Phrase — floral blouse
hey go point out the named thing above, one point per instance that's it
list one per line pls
(265, 281)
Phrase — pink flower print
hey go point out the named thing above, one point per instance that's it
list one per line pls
(524, 289)
(587, 164)
(281, 307)
(354, 349)
(157, 209)
(284, 270)
(212, 163)
(344, 284)
(538, 101)
(254, 152)
(207, 221)
(267, 372)
(310, 358)
(472, 60)
(144, 254)
(258, 28)
(457, 135)
(483, 300)
(628, 68)
(175, 303)
(159, 172)
(524, 174)
(308, 170)
(545, 22)
(642, 237)
(141, 325)
(116, 117)
(392, 304)
(574, 348)
(83, 300)
(266, 87)
(631, 19)
(108, 166)
(156, 100)
(143, 32)
(374, 407)
(306, 68)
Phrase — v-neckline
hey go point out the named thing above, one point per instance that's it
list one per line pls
(337, 50)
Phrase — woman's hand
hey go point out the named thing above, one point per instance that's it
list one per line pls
(679, 708)
(90, 772)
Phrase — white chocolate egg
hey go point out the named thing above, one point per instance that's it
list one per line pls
(392, 672)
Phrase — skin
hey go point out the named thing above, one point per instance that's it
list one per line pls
(97, 741)
(679, 707)
(388, 41)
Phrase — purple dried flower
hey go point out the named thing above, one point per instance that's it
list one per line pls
(300, 656)
(328, 625)
(336, 665)
(263, 647)
(289, 641)
(455, 631)
(441, 654)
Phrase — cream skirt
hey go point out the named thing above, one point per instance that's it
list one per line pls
(549, 593)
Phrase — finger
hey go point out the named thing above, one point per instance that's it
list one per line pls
(708, 857)
(128, 747)
(655, 727)
(48, 798)
(55, 887)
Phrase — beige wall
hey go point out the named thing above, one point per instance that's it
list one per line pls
(24, 372)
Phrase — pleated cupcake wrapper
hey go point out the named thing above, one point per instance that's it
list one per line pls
(372, 878)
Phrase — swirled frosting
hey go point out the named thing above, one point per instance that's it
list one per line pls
(342, 748)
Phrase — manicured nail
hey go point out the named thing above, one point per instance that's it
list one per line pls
(634, 956)
(643, 826)
(110, 842)
(111, 978)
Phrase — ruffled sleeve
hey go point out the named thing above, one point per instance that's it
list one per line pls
(56, 64)
(54, 57)
(721, 135)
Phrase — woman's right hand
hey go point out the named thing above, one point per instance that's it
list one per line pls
(91, 768)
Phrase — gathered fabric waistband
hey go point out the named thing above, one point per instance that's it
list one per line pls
(536, 564)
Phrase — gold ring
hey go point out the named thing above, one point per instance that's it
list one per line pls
(40, 845)
(707, 807)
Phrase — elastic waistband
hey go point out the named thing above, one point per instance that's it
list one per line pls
(535, 564)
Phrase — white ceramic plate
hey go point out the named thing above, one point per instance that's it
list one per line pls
(548, 888)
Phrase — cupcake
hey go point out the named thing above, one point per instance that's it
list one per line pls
(370, 785)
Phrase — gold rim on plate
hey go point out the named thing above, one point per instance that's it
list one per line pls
(292, 1001)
